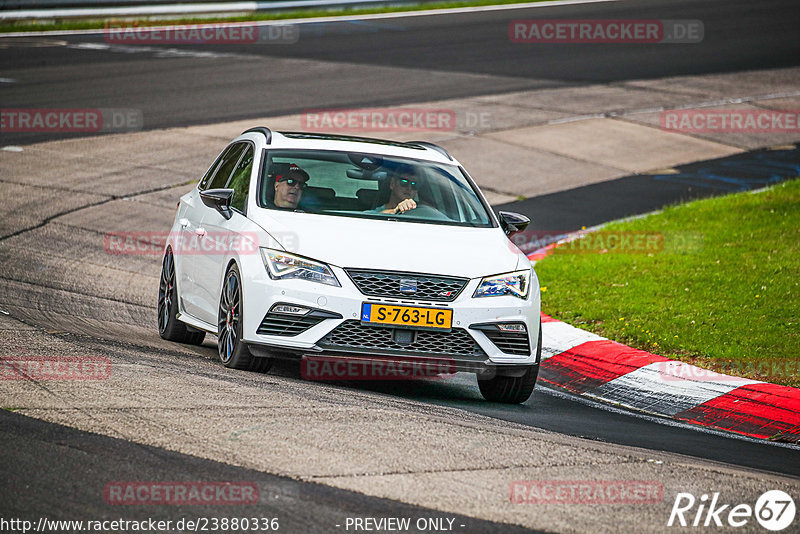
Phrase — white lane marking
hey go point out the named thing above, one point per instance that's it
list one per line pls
(8, 80)
(558, 337)
(158, 51)
(598, 404)
(20, 42)
(717, 103)
(576, 118)
(374, 16)
(661, 387)
(90, 46)
(658, 109)
(11, 148)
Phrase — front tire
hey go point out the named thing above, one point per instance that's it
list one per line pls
(513, 389)
(169, 327)
(233, 352)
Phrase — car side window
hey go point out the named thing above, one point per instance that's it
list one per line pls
(210, 172)
(225, 167)
(240, 180)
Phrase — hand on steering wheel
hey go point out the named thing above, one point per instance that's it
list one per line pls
(405, 205)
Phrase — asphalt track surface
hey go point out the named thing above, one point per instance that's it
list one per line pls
(473, 47)
(354, 63)
(567, 211)
(69, 487)
(549, 409)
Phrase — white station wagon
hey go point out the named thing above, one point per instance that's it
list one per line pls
(324, 246)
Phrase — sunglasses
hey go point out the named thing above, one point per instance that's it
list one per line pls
(408, 183)
(291, 182)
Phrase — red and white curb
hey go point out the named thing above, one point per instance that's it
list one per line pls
(586, 364)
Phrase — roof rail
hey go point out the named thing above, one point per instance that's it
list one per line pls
(353, 138)
(435, 147)
(262, 130)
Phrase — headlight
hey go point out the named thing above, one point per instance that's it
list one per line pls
(283, 266)
(516, 284)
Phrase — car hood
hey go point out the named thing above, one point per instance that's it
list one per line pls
(394, 245)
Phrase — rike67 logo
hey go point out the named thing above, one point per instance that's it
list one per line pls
(774, 510)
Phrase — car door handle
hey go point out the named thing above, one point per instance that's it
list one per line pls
(183, 222)
(200, 231)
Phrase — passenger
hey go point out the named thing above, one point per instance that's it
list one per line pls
(289, 187)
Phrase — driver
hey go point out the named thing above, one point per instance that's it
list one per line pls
(403, 187)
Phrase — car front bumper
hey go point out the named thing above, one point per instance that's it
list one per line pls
(333, 326)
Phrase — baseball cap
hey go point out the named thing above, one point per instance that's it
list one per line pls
(295, 172)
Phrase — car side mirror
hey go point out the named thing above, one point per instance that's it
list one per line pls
(511, 222)
(219, 199)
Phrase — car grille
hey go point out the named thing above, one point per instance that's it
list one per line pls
(278, 324)
(387, 284)
(351, 335)
(510, 342)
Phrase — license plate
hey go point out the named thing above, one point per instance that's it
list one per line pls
(406, 316)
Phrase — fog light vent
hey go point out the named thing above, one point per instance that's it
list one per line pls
(512, 327)
(289, 309)
(511, 338)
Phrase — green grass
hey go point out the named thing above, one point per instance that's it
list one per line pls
(94, 24)
(723, 293)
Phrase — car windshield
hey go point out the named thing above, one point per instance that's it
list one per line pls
(364, 185)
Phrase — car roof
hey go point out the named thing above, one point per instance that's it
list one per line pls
(321, 141)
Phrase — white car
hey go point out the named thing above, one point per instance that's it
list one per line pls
(309, 245)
